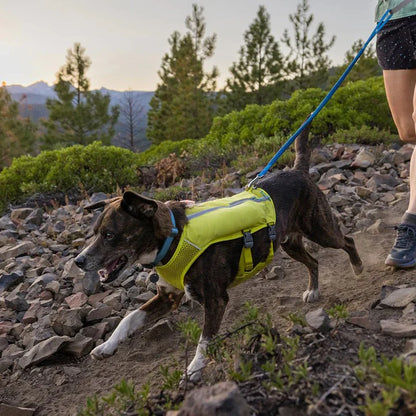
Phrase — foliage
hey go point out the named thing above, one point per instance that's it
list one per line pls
(78, 115)
(259, 65)
(17, 135)
(254, 346)
(182, 106)
(362, 135)
(366, 67)
(393, 380)
(307, 54)
(93, 167)
(124, 398)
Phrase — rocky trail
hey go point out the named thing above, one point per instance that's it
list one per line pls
(48, 324)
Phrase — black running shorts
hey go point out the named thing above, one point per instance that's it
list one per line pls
(396, 44)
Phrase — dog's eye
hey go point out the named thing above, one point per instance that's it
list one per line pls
(108, 236)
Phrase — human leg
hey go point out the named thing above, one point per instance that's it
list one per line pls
(400, 88)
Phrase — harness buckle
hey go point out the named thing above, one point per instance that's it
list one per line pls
(272, 232)
(248, 239)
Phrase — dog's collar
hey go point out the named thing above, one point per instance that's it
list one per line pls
(163, 251)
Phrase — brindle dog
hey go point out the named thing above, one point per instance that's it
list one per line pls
(133, 228)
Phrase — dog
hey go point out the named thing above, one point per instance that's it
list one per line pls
(134, 229)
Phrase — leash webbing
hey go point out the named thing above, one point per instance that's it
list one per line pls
(384, 19)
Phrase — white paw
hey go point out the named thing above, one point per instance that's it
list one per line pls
(104, 350)
(310, 295)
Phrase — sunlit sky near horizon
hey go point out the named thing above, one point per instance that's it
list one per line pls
(126, 39)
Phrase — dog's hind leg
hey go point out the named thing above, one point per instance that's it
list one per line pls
(214, 308)
(152, 310)
(355, 260)
(294, 247)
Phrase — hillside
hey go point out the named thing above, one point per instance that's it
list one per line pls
(32, 104)
(367, 189)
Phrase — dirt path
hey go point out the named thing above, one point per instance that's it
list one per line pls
(62, 386)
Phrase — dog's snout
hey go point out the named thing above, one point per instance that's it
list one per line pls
(80, 261)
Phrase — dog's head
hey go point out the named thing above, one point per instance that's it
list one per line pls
(130, 230)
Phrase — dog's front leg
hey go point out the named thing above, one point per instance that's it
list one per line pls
(214, 311)
(165, 301)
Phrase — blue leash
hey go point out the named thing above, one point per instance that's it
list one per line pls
(384, 19)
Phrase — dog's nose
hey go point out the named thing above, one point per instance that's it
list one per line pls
(80, 261)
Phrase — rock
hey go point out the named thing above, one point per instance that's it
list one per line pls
(99, 313)
(96, 331)
(218, 400)
(365, 158)
(113, 301)
(276, 272)
(91, 283)
(30, 315)
(397, 329)
(381, 181)
(43, 350)
(79, 346)
(19, 214)
(160, 330)
(67, 321)
(17, 302)
(318, 320)
(97, 298)
(9, 280)
(399, 298)
(77, 300)
(8, 410)
(378, 227)
(20, 249)
(72, 271)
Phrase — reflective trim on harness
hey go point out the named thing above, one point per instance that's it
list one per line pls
(222, 220)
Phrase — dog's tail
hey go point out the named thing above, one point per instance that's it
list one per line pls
(303, 152)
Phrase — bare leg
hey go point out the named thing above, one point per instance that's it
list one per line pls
(401, 95)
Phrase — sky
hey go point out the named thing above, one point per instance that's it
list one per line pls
(126, 39)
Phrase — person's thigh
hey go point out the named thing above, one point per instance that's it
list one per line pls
(401, 96)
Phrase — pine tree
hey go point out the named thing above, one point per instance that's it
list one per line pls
(17, 135)
(307, 62)
(78, 115)
(182, 107)
(259, 66)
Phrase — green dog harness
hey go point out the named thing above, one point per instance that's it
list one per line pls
(222, 220)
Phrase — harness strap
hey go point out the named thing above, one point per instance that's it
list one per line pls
(400, 6)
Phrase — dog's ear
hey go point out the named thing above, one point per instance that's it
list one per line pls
(138, 206)
(99, 204)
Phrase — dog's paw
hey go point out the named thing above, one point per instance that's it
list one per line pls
(103, 351)
(357, 269)
(310, 295)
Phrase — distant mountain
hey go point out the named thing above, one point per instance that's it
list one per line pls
(32, 103)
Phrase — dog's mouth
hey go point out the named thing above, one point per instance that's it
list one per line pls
(112, 270)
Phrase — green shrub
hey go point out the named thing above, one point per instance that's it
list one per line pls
(93, 168)
(362, 135)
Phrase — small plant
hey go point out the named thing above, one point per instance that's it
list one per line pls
(190, 330)
(124, 398)
(296, 318)
(339, 313)
(171, 377)
(393, 380)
